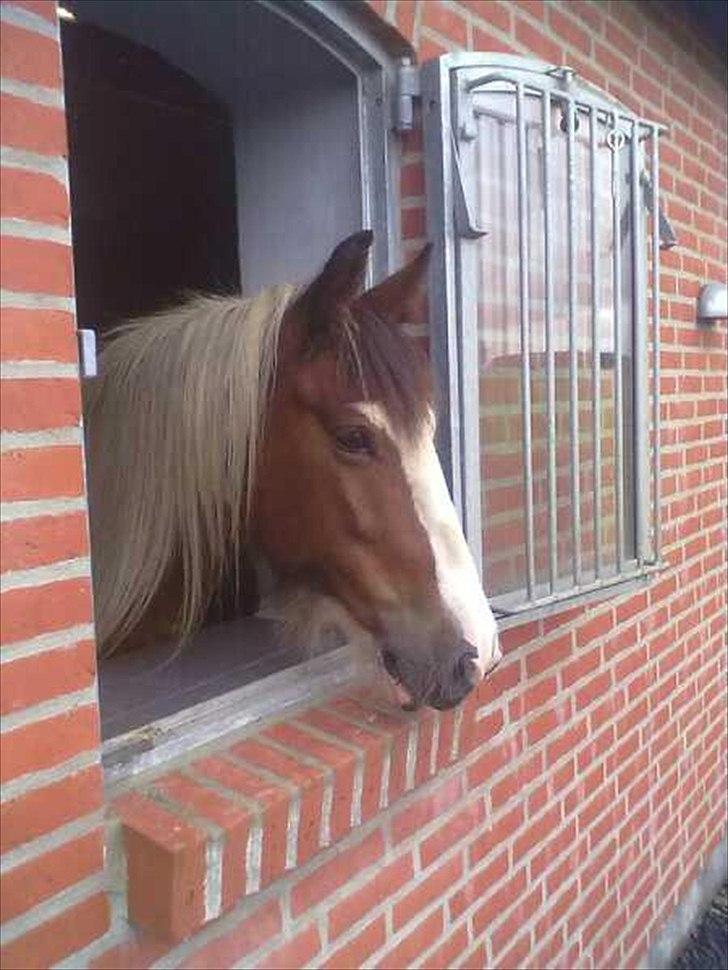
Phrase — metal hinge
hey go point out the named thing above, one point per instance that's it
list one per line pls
(408, 88)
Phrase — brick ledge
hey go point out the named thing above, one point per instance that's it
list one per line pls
(226, 825)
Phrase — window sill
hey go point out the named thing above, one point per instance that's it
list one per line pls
(232, 819)
(509, 616)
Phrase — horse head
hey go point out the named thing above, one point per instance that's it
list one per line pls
(349, 499)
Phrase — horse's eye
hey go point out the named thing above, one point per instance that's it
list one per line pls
(355, 441)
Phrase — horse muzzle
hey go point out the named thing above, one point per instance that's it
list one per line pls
(441, 686)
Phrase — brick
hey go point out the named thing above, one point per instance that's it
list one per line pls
(426, 808)
(48, 743)
(37, 473)
(371, 745)
(29, 57)
(45, 809)
(331, 875)
(568, 32)
(42, 8)
(497, 834)
(32, 195)
(536, 43)
(454, 830)
(537, 832)
(446, 954)
(428, 888)
(478, 883)
(36, 404)
(535, 8)
(234, 822)
(30, 611)
(36, 266)
(552, 654)
(413, 222)
(551, 850)
(446, 21)
(496, 757)
(412, 180)
(34, 127)
(519, 917)
(370, 894)
(26, 543)
(492, 12)
(542, 725)
(341, 761)
(55, 939)
(598, 626)
(31, 680)
(517, 780)
(310, 782)
(357, 951)
(166, 866)
(297, 952)
(498, 901)
(583, 665)
(273, 801)
(139, 951)
(31, 883)
(255, 930)
(47, 335)
(423, 936)
(593, 689)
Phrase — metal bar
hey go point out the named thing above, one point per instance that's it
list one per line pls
(618, 404)
(657, 525)
(607, 108)
(550, 369)
(573, 348)
(525, 338)
(596, 349)
(639, 372)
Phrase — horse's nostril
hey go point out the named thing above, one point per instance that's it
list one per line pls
(390, 664)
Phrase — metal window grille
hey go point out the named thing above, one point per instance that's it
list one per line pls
(543, 194)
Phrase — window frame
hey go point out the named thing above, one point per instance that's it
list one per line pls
(452, 226)
(346, 34)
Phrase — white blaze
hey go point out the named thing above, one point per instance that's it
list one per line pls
(457, 578)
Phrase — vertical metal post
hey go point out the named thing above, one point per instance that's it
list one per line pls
(657, 525)
(525, 336)
(617, 142)
(596, 348)
(573, 346)
(550, 368)
(639, 365)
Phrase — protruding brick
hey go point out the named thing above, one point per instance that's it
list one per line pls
(166, 868)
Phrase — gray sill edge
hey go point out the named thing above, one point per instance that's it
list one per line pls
(673, 935)
(164, 743)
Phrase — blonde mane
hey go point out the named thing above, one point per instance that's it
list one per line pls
(173, 425)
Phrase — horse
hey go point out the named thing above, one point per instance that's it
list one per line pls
(293, 429)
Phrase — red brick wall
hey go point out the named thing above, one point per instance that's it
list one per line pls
(52, 838)
(558, 817)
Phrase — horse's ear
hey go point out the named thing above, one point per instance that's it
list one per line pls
(398, 297)
(342, 278)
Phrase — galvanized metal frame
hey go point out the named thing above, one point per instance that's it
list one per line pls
(339, 29)
(450, 119)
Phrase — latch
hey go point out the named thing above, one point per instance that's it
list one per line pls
(87, 352)
(466, 222)
(408, 88)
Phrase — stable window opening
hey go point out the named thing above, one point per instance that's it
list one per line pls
(213, 148)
